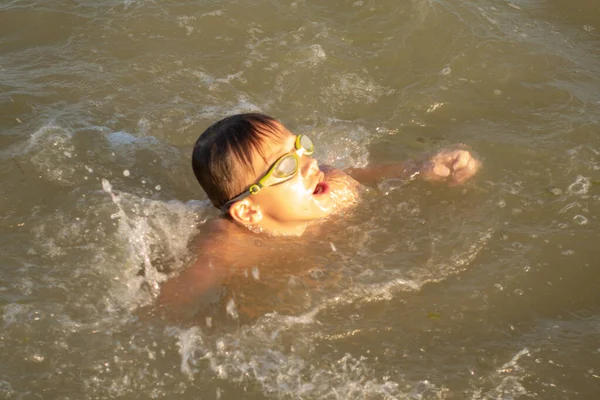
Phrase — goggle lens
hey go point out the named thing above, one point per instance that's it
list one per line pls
(307, 144)
(287, 166)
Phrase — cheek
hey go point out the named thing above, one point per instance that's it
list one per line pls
(296, 188)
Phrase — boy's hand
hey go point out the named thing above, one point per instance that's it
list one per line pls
(452, 166)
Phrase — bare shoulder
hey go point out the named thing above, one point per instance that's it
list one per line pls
(230, 245)
(211, 236)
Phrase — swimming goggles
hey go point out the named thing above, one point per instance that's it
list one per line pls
(282, 170)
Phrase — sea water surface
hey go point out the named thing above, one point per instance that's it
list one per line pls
(486, 291)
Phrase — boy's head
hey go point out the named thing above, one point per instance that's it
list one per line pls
(238, 152)
(223, 154)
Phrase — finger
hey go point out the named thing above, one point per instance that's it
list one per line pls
(431, 172)
(441, 170)
(462, 158)
(444, 157)
(467, 172)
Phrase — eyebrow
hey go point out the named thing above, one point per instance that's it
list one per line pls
(280, 150)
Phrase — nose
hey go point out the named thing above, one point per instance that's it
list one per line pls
(308, 166)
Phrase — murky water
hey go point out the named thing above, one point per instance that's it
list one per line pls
(489, 291)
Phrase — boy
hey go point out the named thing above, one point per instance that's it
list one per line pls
(264, 180)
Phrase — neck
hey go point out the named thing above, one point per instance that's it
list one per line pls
(278, 229)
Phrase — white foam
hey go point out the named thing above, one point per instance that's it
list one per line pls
(256, 354)
(351, 88)
(51, 151)
(316, 54)
(581, 186)
(189, 340)
(343, 144)
(12, 313)
(507, 380)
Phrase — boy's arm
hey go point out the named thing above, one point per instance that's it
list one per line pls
(189, 286)
(376, 173)
(218, 256)
(194, 282)
(451, 166)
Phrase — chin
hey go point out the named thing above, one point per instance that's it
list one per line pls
(324, 205)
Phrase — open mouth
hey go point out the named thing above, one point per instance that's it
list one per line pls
(321, 188)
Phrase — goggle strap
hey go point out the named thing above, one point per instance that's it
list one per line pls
(255, 188)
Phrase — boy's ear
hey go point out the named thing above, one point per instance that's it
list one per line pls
(245, 212)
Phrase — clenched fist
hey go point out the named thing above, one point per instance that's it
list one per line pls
(451, 166)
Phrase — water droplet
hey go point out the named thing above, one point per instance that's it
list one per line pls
(37, 358)
(157, 187)
(222, 372)
(555, 191)
(231, 309)
(106, 186)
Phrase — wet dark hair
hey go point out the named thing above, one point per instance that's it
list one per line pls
(222, 156)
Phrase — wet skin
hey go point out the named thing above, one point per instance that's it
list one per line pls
(228, 245)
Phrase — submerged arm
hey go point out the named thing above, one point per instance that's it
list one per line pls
(451, 166)
(189, 286)
(224, 249)
(375, 173)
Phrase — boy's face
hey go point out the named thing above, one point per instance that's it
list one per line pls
(303, 198)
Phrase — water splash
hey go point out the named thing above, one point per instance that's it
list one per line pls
(155, 233)
(507, 380)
